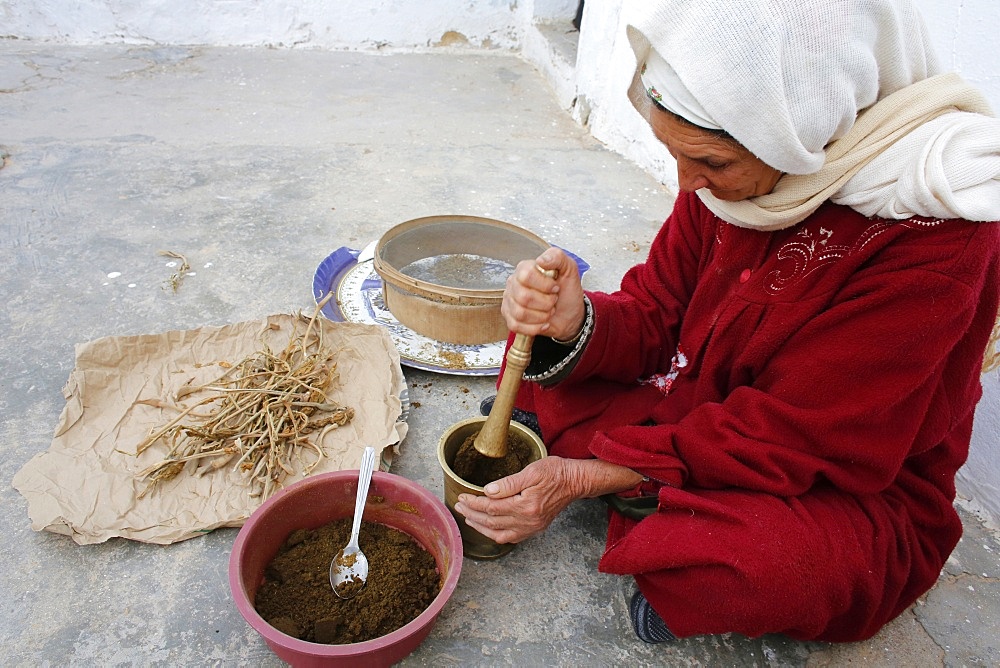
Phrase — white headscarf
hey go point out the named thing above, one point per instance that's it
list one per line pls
(788, 80)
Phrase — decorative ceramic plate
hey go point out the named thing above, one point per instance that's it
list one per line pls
(357, 297)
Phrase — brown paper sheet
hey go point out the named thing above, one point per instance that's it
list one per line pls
(85, 485)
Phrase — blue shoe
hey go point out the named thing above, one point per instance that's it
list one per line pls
(529, 420)
(646, 622)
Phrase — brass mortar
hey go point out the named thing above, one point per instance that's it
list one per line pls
(475, 544)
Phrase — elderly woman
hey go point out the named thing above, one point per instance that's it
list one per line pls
(776, 402)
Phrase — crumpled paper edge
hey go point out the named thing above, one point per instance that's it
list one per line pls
(85, 485)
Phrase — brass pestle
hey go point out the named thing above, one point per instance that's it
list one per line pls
(491, 441)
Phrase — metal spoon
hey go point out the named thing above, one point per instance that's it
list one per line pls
(349, 569)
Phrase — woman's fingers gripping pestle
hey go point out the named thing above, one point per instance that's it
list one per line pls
(534, 303)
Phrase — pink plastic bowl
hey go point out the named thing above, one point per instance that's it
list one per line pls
(321, 499)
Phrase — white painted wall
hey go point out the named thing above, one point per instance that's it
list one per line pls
(547, 10)
(589, 81)
(332, 24)
(979, 480)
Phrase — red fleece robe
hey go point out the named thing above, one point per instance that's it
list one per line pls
(801, 400)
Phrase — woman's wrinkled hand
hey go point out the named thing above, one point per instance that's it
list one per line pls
(524, 504)
(536, 304)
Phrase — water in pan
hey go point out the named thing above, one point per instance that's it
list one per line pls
(461, 270)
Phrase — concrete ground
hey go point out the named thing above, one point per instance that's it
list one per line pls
(256, 164)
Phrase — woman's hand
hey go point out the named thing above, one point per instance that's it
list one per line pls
(534, 303)
(524, 504)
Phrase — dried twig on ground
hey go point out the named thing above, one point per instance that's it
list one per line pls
(264, 413)
(175, 278)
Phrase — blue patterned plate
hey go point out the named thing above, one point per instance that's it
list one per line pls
(357, 298)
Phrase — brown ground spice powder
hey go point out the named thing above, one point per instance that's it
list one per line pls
(297, 599)
(475, 468)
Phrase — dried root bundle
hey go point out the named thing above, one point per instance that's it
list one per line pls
(263, 414)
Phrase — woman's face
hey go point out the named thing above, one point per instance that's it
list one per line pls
(705, 160)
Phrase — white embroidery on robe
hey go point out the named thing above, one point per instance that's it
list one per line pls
(664, 382)
(809, 251)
